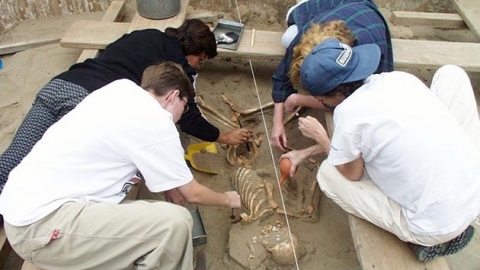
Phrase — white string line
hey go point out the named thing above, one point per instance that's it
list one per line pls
(274, 164)
(238, 12)
(271, 152)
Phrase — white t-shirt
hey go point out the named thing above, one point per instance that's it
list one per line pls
(414, 150)
(92, 153)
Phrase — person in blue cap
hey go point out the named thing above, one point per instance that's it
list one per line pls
(402, 156)
(355, 22)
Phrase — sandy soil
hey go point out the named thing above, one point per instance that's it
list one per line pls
(322, 232)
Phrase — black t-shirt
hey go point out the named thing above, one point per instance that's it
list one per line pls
(127, 58)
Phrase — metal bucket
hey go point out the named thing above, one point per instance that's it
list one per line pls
(158, 9)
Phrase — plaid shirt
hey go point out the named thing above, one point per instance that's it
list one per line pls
(361, 16)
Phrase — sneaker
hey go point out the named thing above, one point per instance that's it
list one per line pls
(425, 254)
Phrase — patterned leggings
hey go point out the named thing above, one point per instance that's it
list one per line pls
(55, 100)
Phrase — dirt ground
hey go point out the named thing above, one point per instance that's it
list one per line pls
(320, 227)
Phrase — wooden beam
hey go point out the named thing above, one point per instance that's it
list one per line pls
(470, 12)
(379, 249)
(84, 34)
(267, 45)
(25, 45)
(5, 248)
(440, 20)
(426, 54)
(407, 53)
(34, 33)
(114, 13)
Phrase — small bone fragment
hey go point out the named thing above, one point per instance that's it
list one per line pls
(202, 105)
(256, 109)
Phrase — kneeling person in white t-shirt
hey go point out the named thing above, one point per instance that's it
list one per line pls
(402, 156)
(61, 204)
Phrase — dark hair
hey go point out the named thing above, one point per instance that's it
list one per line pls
(345, 89)
(195, 38)
(166, 76)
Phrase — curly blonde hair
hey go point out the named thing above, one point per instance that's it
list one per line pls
(311, 38)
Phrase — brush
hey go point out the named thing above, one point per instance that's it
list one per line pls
(246, 144)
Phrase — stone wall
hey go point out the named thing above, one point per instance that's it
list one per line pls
(14, 11)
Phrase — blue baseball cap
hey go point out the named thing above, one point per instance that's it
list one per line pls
(332, 63)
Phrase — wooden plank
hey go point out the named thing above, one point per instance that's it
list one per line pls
(470, 12)
(266, 45)
(440, 20)
(426, 54)
(26, 44)
(5, 248)
(93, 35)
(379, 249)
(39, 32)
(140, 22)
(114, 13)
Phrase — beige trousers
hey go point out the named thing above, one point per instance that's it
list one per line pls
(366, 200)
(131, 235)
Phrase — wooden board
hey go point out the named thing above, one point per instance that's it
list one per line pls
(470, 12)
(14, 47)
(84, 34)
(407, 53)
(5, 248)
(30, 34)
(114, 13)
(266, 44)
(140, 22)
(426, 54)
(379, 249)
(440, 20)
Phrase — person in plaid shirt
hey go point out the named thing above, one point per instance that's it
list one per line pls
(354, 22)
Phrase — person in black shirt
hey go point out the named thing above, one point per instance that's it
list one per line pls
(189, 45)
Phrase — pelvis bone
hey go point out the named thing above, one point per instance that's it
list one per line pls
(238, 155)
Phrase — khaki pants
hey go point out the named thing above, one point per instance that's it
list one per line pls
(366, 200)
(132, 235)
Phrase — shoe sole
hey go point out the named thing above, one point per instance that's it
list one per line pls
(426, 254)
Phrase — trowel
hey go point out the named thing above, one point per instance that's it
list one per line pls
(206, 147)
(227, 38)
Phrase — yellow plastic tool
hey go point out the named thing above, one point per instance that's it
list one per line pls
(208, 147)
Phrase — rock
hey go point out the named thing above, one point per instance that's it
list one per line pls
(244, 13)
(236, 79)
